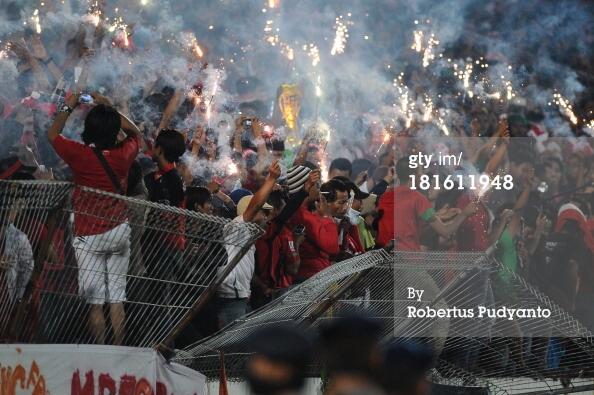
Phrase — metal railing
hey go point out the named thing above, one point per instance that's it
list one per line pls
(376, 283)
(70, 254)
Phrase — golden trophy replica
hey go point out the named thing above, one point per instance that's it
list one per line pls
(289, 102)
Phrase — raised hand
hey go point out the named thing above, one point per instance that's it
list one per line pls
(274, 171)
(312, 180)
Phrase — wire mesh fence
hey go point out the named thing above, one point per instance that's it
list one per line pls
(85, 266)
(547, 352)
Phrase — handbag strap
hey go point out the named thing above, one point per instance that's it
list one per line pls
(108, 170)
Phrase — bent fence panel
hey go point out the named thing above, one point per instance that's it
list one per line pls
(137, 268)
(472, 352)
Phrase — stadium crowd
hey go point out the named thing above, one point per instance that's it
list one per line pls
(315, 209)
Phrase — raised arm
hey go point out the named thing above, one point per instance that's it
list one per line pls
(61, 117)
(262, 194)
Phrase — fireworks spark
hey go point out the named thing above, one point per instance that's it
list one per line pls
(428, 53)
(313, 52)
(318, 86)
(232, 168)
(417, 41)
(287, 51)
(428, 110)
(270, 33)
(213, 92)
(341, 37)
(36, 22)
(565, 108)
(406, 106)
(589, 126)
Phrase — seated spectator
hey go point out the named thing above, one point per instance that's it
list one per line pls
(234, 292)
(102, 242)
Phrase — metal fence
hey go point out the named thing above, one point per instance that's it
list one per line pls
(85, 266)
(471, 352)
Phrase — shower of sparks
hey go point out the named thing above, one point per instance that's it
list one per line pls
(5, 51)
(313, 52)
(440, 121)
(406, 106)
(270, 33)
(589, 126)
(565, 107)
(318, 86)
(428, 109)
(324, 169)
(213, 92)
(287, 51)
(35, 21)
(417, 41)
(273, 3)
(428, 53)
(232, 168)
(93, 14)
(188, 42)
(341, 37)
(509, 90)
(465, 76)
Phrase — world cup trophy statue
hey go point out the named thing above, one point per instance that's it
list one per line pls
(289, 103)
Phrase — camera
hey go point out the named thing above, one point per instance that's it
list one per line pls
(85, 99)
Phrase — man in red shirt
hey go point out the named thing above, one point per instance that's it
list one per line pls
(102, 242)
(321, 231)
(402, 211)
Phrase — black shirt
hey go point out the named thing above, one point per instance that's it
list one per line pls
(167, 189)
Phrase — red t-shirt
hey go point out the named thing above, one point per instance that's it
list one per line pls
(321, 242)
(403, 209)
(95, 214)
(472, 234)
(274, 252)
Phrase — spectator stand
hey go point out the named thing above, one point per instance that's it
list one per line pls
(159, 302)
(470, 351)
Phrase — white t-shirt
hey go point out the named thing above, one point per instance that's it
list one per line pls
(237, 284)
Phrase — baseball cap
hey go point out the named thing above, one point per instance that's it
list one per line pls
(238, 194)
(245, 201)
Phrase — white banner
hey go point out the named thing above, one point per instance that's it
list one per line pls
(92, 370)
